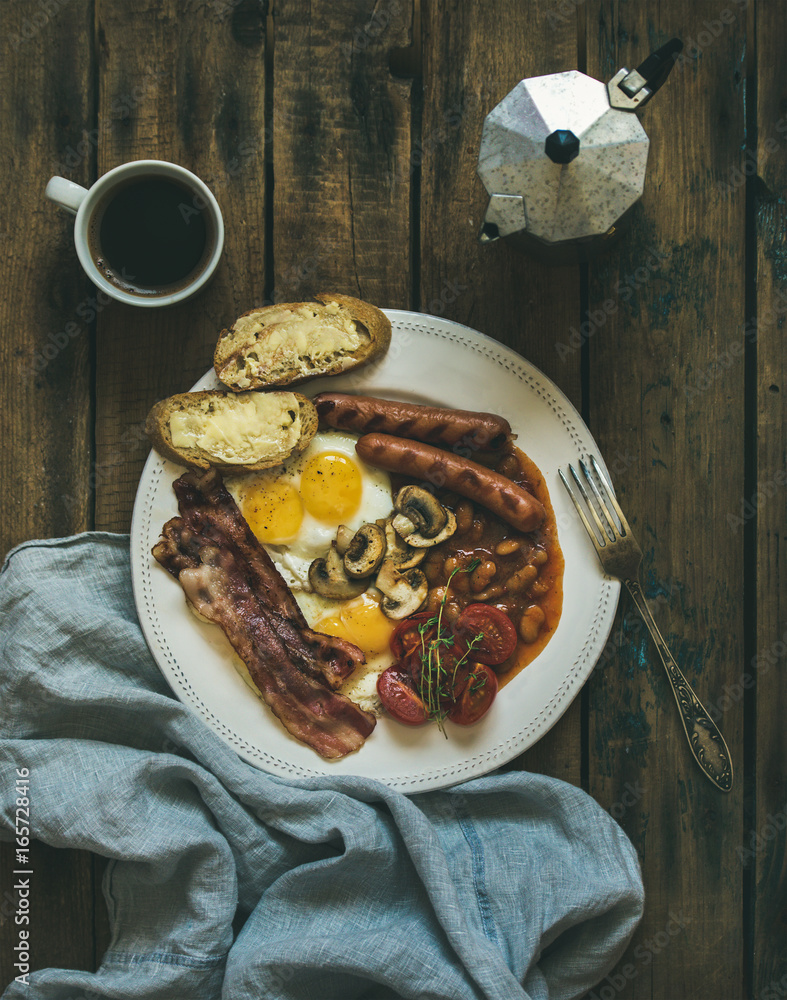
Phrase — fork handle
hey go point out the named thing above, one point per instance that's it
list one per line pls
(706, 742)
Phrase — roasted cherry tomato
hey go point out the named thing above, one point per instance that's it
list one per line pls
(405, 638)
(400, 700)
(497, 629)
(477, 697)
(412, 666)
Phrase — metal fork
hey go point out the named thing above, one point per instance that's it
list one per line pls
(621, 557)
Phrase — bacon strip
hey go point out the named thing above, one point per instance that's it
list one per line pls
(209, 510)
(229, 579)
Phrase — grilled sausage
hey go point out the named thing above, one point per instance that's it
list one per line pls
(363, 414)
(443, 469)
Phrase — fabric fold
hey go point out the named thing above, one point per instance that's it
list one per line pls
(229, 882)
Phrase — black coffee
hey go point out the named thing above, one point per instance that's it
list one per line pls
(151, 236)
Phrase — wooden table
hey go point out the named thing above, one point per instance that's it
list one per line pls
(340, 137)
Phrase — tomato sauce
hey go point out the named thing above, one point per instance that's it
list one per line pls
(551, 575)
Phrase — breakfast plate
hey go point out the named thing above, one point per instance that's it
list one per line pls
(436, 362)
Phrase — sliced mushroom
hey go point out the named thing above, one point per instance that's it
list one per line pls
(344, 536)
(397, 551)
(419, 541)
(402, 525)
(327, 577)
(421, 509)
(403, 593)
(365, 552)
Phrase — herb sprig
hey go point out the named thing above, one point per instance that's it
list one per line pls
(435, 688)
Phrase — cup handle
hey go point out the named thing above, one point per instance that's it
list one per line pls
(66, 194)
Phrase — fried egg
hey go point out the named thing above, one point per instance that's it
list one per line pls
(295, 510)
(361, 622)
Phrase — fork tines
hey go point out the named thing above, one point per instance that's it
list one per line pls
(599, 501)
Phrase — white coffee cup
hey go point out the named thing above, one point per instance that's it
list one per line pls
(85, 204)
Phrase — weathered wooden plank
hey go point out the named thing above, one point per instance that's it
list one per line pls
(473, 54)
(62, 909)
(659, 394)
(763, 849)
(341, 151)
(45, 104)
(189, 87)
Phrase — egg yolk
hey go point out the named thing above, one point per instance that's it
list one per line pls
(274, 513)
(360, 621)
(331, 487)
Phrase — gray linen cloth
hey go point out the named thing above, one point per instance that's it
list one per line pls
(227, 882)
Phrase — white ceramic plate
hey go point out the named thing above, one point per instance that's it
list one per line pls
(432, 361)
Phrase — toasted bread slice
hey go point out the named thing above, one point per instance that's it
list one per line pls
(234, 432)
(292, 342)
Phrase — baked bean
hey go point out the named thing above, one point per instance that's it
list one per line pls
(482, 575)
(451, 612)
(464, 517)
(479, 524)
(530, 623)
(496, 590)
(539, 588)
(461, 583)
(521, 580)
(508, 546)
(539, 557)
(450, 565)
(433, 600)
(509, 466)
